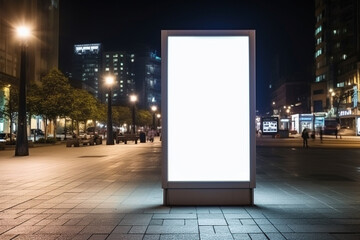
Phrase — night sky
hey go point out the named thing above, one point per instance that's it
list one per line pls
(284, 28)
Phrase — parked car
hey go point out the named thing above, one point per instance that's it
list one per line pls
(346, 131)
(37, 132)
(5, 137)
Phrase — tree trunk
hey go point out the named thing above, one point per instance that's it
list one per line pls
(54, 124)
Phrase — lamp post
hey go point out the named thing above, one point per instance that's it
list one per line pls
(133, 99)
(22, 148)
(153, 108)
(158, 117)
(109, 80)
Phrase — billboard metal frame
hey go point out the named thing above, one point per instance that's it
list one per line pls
(208, 193)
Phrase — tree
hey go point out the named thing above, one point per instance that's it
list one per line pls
(55, 96)
(121, 115)
(10, 105)
(83, 106)
(144, 118)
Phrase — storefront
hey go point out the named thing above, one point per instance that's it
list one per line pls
(301, 121)
(350, 121)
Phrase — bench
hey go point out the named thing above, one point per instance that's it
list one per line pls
(85, 140)
(127, 137)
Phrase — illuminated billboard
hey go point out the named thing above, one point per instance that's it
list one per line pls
(269, 125)
(208, 106)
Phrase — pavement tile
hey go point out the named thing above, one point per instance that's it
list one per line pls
(97, 229)
(115, 236)
(241, 236)
(60, 229)
(244, 229)
(122, 229)
(308, 236)
(138, 229)
(151, 237)
(247, 222)
(258, 236)
(179, 237)
(325, 228)
(175, 216)
(212, 222)
(236, 215)
(24, 229)
(266, 228)
(169, 229)
(136, 219)
(173, 222)
(98, 237)
(35, 237)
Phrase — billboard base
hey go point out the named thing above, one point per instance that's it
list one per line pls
(208, 196)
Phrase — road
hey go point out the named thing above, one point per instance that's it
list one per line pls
(114, 192)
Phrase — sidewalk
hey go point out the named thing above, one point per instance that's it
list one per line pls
(114, 192)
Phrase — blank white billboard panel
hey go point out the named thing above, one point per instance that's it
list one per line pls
(208, 128)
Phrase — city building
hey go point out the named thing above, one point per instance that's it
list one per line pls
(148, 79)
(42, 17)
(337, 60)
(86, 67)
(121, 65)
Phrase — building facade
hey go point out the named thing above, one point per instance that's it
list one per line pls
(42, 16)
(337, 50)
(86, 67)
(148, 79)
(121, 65)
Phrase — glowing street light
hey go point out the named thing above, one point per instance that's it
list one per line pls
(133, 99)
(109, 80)
(22, 147)
(153, 108)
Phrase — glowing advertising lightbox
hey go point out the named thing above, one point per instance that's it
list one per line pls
(208, 92)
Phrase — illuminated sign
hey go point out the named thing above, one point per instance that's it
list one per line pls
(208, 78)
(345, 113)
(269, 125)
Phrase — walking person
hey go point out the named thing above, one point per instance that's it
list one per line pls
(305, 136)
(321, 134)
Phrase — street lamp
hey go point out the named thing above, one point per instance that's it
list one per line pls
(109, 80)
(158, 117)
(22, 147)
(153, 108)
(133, 99)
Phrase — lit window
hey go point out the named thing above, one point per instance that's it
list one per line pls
(318, 29)
(107, 56)
(96, 70)
(115, 60)
(318, 53)
(115, 69)
(115, 55)
(132, 60)
(121, 81)
(344, 56)
(107, 69)
(121, 68)
(121, 85)
(342, 84)
(116, 73)
(121, 55)
(335, 31)
(319, 40)
(121, 64)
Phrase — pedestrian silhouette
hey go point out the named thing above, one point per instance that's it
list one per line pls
(305, 136)
(321, 135)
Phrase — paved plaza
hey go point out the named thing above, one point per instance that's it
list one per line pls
(114, 192)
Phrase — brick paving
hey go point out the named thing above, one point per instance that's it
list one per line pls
(114, 192)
